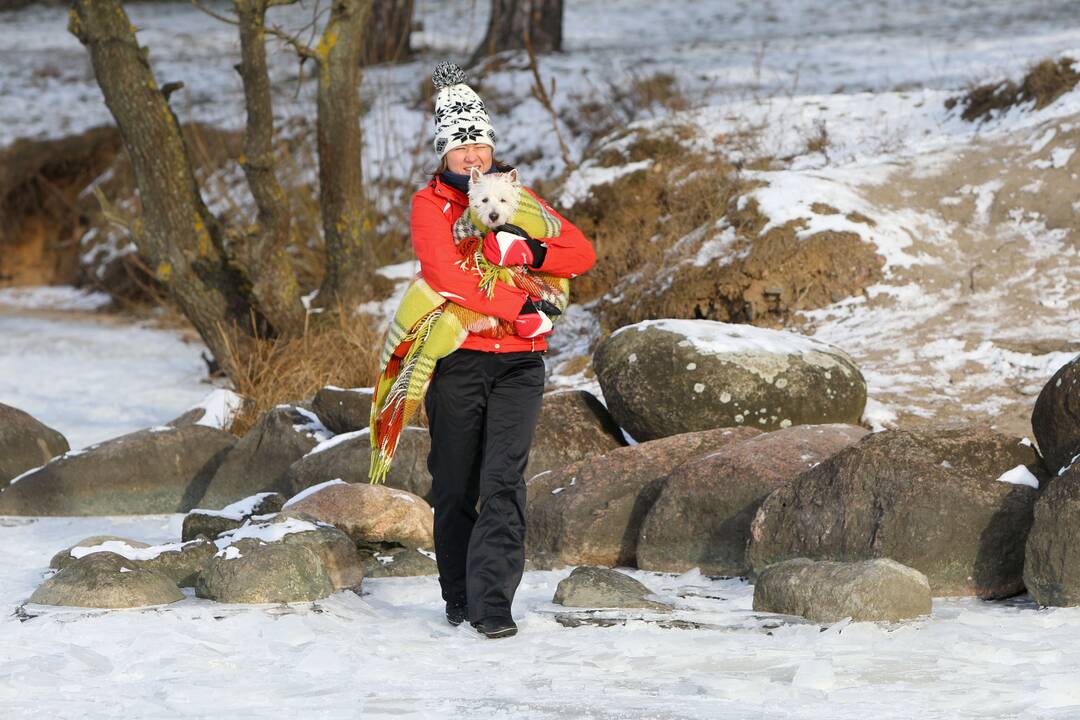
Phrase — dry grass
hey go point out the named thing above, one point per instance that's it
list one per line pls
(1044, 83)
(342, 352)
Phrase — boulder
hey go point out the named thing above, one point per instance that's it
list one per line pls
(336, 550)
(374, 516)
(159, 470)
(261, 458)
(596, 587)
(1056, 418)
(180, 562)
(211, 523)
(399, 562)
(25, 443)
(953, 502)
(665, 377)
(702, 516)
(827, 591)
(348, 457)
(106, 580)
(253, 571)
(590, 512)
(343, 410)
(1052, 555)
(573, 425)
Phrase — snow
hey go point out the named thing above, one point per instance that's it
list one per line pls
(53, 297)
(220, 407)
(717, 338)
(1019, 475)
(93, 379)
(312, 490)
(130, 552)
(238, 510)
(266, 532)
(337, 440)
(578, 186)
(970, 658)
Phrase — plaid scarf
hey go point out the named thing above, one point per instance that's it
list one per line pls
(427, 326)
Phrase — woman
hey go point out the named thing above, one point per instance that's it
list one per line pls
(484, 398)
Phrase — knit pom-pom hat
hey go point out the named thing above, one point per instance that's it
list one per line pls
(460, 115)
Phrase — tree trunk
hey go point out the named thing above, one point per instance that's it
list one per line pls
(512, 20)
(177, 233)
(386, 37)
(263, 252)
(348, 257)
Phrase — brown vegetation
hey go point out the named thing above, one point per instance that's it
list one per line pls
(1044, 83)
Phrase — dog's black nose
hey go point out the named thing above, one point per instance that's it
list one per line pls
(493, 216)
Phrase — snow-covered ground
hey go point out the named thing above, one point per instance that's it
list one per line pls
(390, 653)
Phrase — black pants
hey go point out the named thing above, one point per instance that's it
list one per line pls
(482, 410)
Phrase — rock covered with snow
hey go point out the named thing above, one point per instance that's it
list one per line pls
(827, 591)
(1052, 555)
(372, 515)
(343, 410)
(25, 443)
(573, 425)
(399, 562)
(1056, 417)
(261, 458)
(348, 457)
(664, 377)
(211, 523)
(590, 512)
(945, 500)
(703, 513)
(106, 580)
(597, 587)
(161, 469)
(179, 561)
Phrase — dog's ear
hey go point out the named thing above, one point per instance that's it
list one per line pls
(514, 176)
(474, 174)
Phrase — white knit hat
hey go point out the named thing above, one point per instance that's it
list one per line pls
(460, 115)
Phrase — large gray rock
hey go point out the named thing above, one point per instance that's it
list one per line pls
(931, 498)
(374, 516)
(261, 459)
(337, 551)
(590, 512)
(1052, 557)
(596, 587)
(703, 514)
(348, 457)
(106, 580)
(573, 425)
(1056, 417)
(664, 377)
(159, 470)
(826, 591)
(25, 443)
(211, 523)
(343, 410)
(399, 562)
(252, 571)
(180, 562)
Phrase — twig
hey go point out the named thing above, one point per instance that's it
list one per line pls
(541, 94)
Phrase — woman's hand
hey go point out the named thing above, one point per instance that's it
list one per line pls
(510, 245)
(534, 319)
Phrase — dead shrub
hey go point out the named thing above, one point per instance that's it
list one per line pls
(596, 115)
(1044, 83)
(344, 352)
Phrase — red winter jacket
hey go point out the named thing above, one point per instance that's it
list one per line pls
(435, 208)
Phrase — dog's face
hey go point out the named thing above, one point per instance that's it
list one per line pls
(494, 197)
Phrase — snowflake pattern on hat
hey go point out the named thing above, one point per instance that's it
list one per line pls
(461, 117)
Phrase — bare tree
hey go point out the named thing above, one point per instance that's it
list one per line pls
(225, 279)
(511, 21)
(386, 38)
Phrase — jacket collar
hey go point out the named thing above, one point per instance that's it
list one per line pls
(446, 191)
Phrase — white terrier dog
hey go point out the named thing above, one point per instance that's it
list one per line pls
(493, 197)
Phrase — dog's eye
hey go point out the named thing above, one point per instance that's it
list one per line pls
(502, 200)
(484, 200)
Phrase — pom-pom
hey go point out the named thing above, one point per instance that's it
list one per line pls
(446, 74)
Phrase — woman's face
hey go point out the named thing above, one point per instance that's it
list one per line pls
(463, 157)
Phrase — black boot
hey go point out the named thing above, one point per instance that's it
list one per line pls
(495, 627)
(456, 611)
